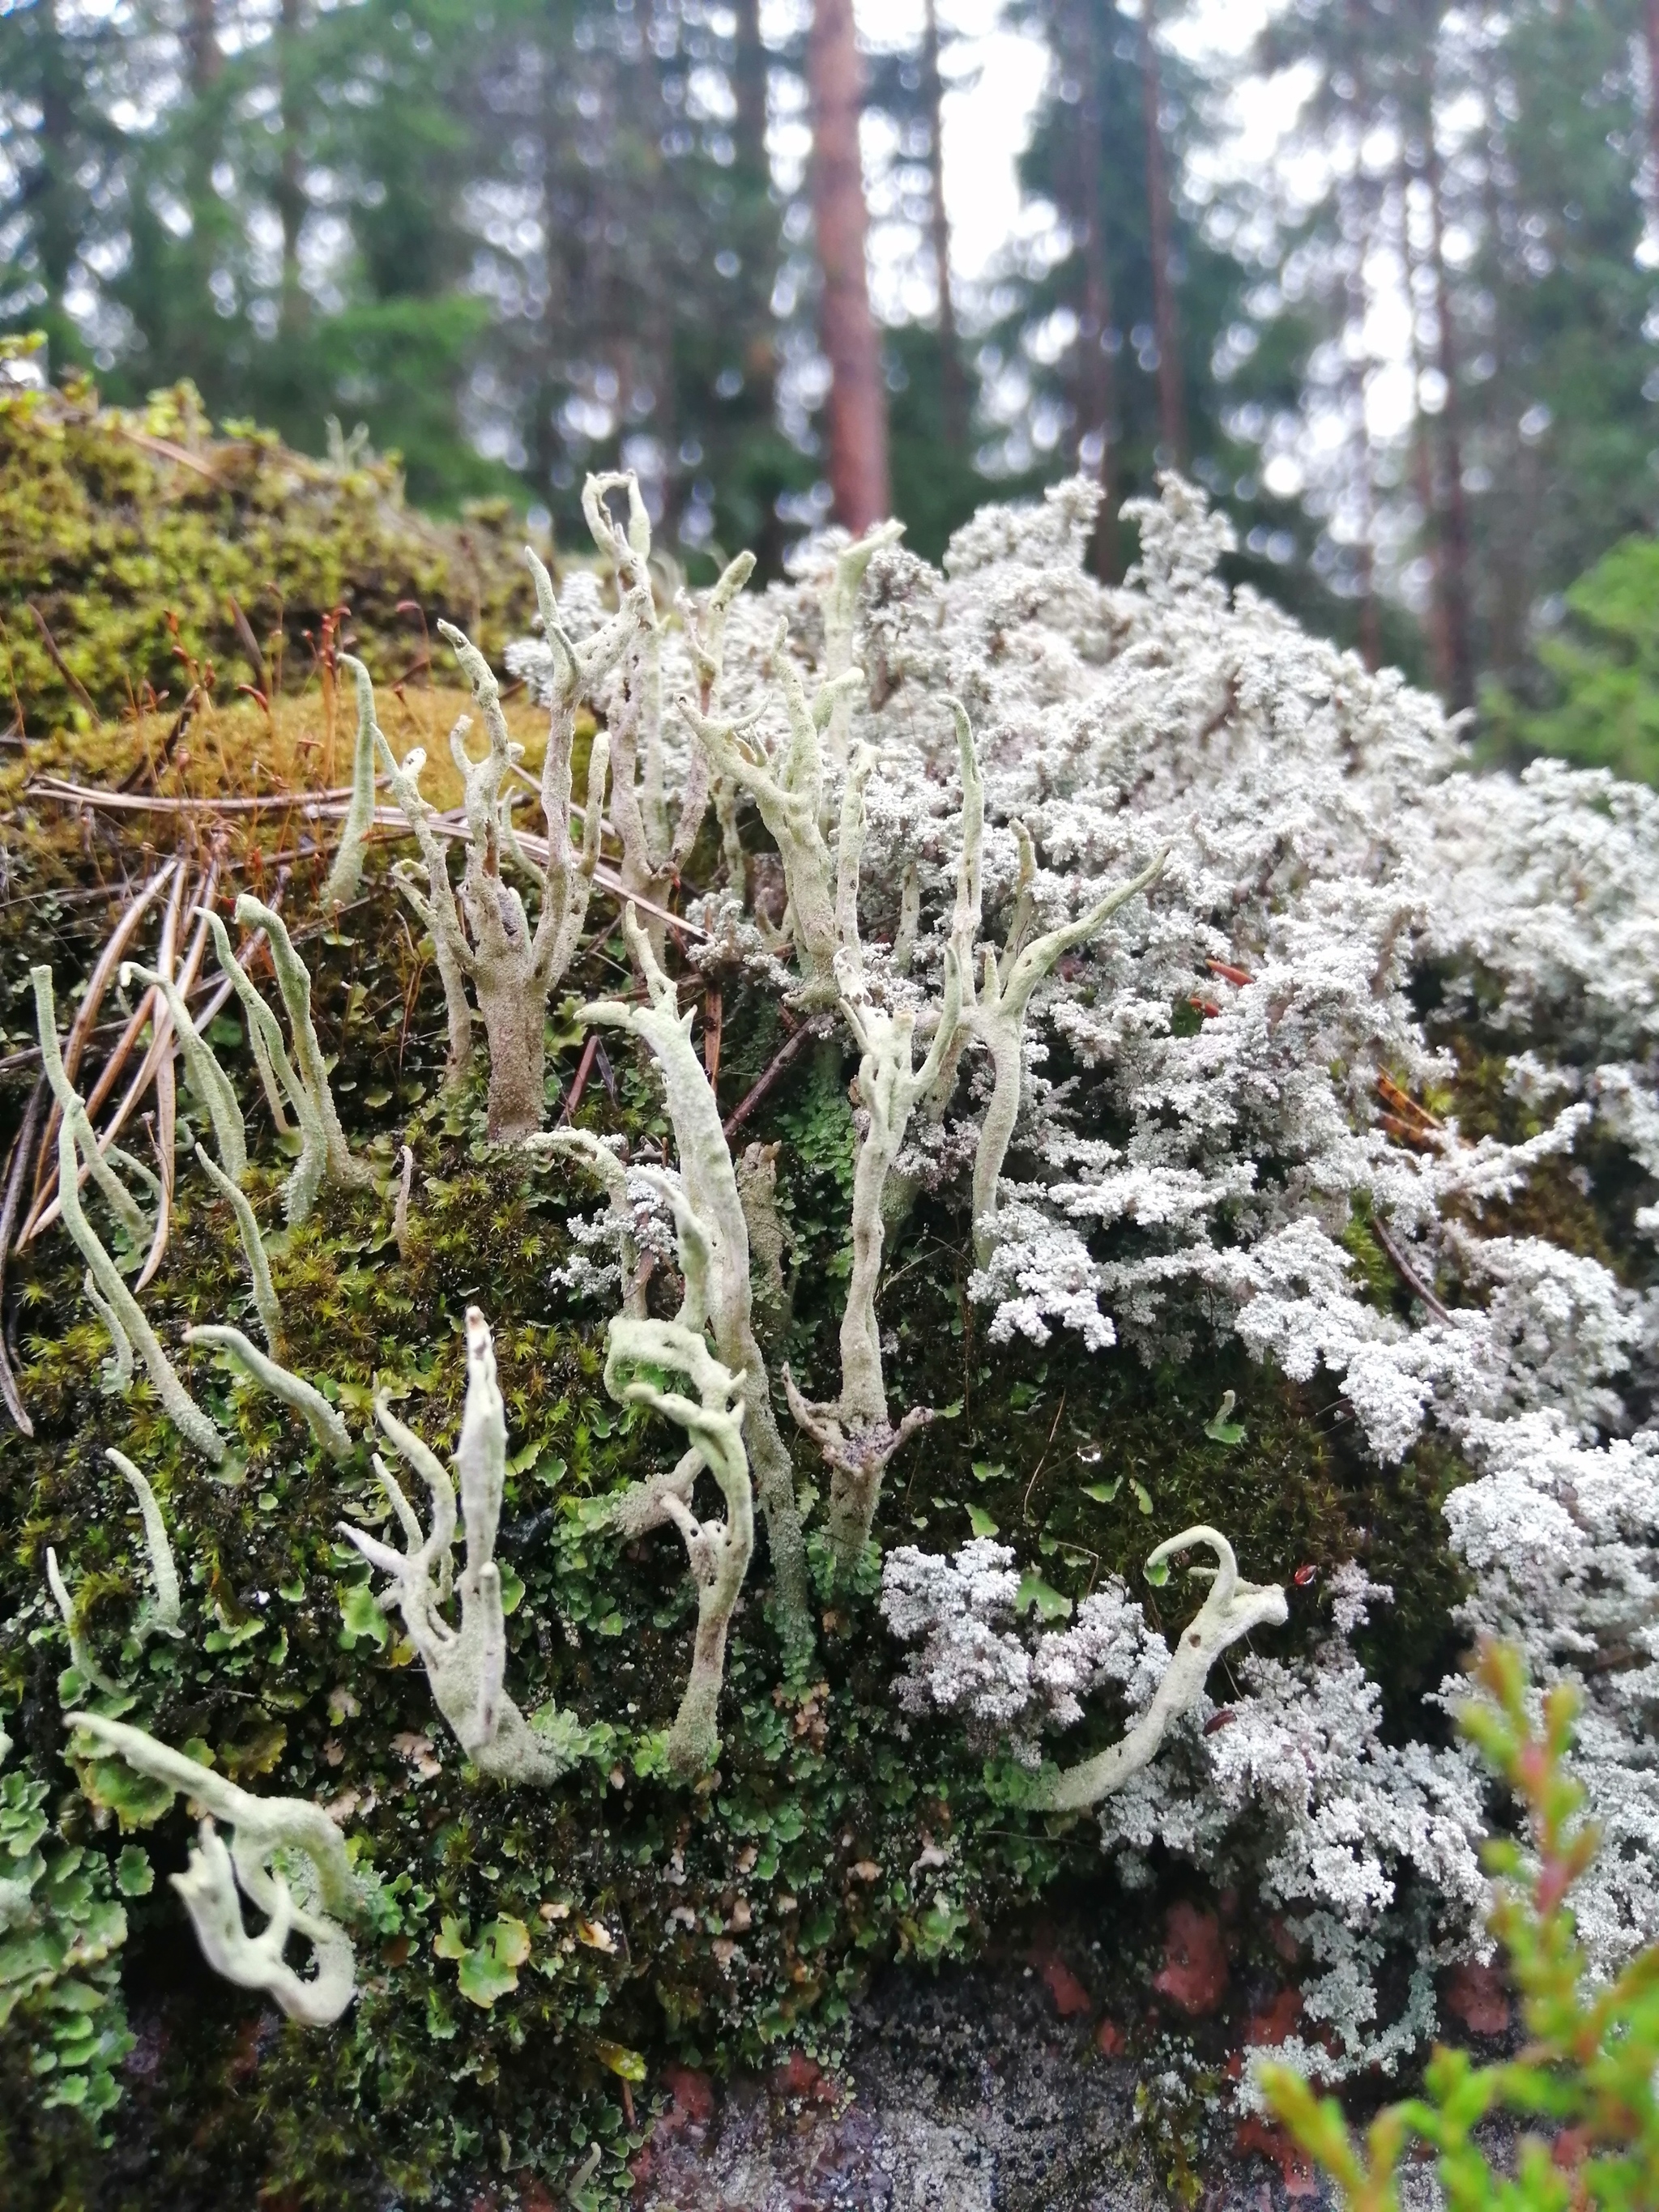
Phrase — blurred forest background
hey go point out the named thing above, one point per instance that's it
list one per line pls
(1413, 349)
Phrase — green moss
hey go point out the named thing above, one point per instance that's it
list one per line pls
(712, 1924)
(128, 533)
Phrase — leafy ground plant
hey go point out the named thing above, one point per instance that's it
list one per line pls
(1583, 2083)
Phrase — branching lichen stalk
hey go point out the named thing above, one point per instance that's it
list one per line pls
(159, 1614)
(466, 1666)
(324, 1153)
(261, 1828)
(718, 1553)
(854, 1433)
(73, 1115)
(121, 1344)
(789, 793)
(207, 1079)
(840, 607)
(711, 1190)
(1232, 1608)
(483, 934)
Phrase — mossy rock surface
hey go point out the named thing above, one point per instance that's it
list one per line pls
(534, 1957)
(143, 550)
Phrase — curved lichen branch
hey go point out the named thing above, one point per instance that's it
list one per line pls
(466, 1666)
(285, 1853)
(705, 624)
(484, 933)
(159, 1613)
(318, 1416)
(74, 1117)
(966, 914)
(1232, 1607)
(840, 607)
(157, 1616)
(120, 1373)
(435, 909)
(121, 1309)
(212, 1086)
(347, 871)
(652, 852)
(324, 1153)
(294, 982)
(788, 790)
(80, 1655)
(718, 1552)
(710, 1185)
(253, 1250)
(854, 1433)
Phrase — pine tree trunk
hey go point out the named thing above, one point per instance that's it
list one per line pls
(1423, 461)
(858, 397)
(1359, 205)
(1454, 503)
(952, 386)
(749, 84)
(290, 194)
(56, 226)
(207, 58)
(1172, 397)
(1097, 385)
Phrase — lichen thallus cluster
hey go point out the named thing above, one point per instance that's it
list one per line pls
(704, 1370)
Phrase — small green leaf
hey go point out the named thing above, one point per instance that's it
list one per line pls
(1103, 1492)
(134, 1874)
(981, 1522)
(363, 1617)
(1221, 1428)
(512, 1587)
(1049, 1601)
(491, 1969)
(988, 1470)
(137, 1801)
(1143, 1496)
(450, 1941)
(378, 1097)
(611, 1625)
(630, 2064)
(1158, 1573)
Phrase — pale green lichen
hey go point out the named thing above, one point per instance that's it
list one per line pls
(710, 1184)
(466, 1666)
(120, 1307)
(324, 1151)
(159, 1613)
(347, 871)
(853, 1431)
(275, 1840)
(72, 1111)
(788, 791)
(1231, 1609)
(483, 934)
(207, 1080)
(258, 1264)
(306, 1400)
(718, 1552)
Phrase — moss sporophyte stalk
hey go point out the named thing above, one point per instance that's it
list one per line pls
(703, 1450)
